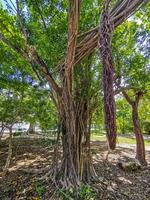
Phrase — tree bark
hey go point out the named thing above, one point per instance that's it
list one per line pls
(31, 129)
(7, 164)
(81, 156)
(77, 164)
(69, 170)
(140, 147)
(105, 34)
(88, 171)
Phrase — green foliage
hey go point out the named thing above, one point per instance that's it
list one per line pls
(146, 127)
(85, 193)
(123, 114)
(46, 29)
(130, 46)
(47, 142)
(93, 151)
(17, 134)
(40, 188)
(37, 108)
(10, 107)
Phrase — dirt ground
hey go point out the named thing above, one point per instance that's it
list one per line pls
(29, 153)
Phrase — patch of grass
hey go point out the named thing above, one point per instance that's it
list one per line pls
(17, 134)
(120, 139)
(40, 189)
(98, 137)
(93, 151)
(85, 192)
(125, 140)
(47, 142)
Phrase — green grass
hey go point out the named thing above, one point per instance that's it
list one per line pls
(120, 139)
(98, 137)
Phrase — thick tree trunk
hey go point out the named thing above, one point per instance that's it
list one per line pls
(76, 163)
(69, 172)
(69, 165)
(82, 160)
(140, 147)
(108, 77)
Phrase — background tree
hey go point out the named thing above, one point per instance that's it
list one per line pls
(10, 101)
(133, 79)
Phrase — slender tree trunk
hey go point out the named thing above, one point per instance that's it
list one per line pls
(2, 131)
(123, 128)
(140, 147)
(31, 129)
(88, 171)
(105, 35)
(7, 164)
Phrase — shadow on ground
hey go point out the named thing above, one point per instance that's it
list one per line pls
(32, 153)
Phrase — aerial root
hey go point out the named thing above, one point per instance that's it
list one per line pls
(36, 171)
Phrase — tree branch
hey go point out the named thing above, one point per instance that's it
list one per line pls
(74, 15)
(138, 96)
(90, 38)
(30, 55)
(122, 89)
(127, 98)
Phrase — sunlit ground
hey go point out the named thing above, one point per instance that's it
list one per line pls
(120, 139)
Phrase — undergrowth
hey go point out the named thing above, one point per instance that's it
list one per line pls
(85, 192)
